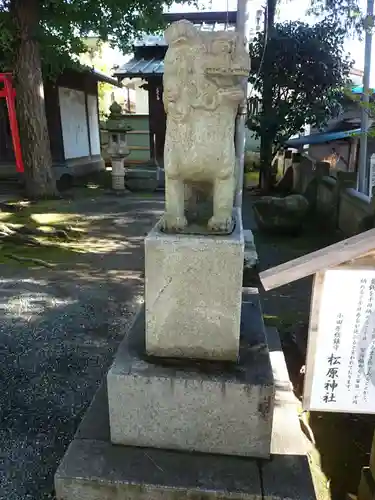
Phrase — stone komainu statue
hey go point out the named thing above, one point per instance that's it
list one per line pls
(203, 73)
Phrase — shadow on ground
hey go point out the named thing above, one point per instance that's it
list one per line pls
(59, 330)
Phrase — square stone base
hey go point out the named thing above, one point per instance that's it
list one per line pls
(193, 294)
(95, 469)
(211, 407)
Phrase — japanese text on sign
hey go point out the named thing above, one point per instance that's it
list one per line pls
(342, 369)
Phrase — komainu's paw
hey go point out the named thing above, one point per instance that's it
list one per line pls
(171, 223)
(220, 224)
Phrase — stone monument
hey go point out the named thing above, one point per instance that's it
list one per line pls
(202, 89)
(194, 372)
(203, 72)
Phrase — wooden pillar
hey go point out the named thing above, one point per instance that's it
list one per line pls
(6, 146)
(88, 122)
(151, 119)
(157, 119)
(353, 154)
(52, 104)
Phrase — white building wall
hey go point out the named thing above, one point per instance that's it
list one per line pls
(74, 123)
(92, 108)
(141, 101)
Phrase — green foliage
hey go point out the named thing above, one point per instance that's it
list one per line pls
(369, 107)
(94, 57)
(308, 71)
(345, 13)
(64, 23)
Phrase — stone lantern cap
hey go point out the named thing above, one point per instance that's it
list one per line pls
(117, 120)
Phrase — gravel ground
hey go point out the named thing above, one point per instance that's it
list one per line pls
(59, 331)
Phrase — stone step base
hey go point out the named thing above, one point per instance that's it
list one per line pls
(95, 469)
(188, 405)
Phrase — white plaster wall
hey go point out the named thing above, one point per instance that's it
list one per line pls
(92, 107)
(141, 101)
(74, 123)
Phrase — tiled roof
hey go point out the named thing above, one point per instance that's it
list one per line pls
(141, 68)
(155, 40)
(153, 66)
(102, 77)
(322, 138)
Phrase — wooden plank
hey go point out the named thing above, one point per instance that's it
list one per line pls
(134, 162)
(130, 132)
(341, 348)
(140, 148)
(320, 260)
(287, 437)
(313, 334)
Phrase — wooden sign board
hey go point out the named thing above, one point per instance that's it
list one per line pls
(340, 366)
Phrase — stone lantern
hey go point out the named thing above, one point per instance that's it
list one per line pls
(117, 145)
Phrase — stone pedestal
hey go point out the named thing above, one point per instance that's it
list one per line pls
(193, 294)
(187, 411)
(251, 256)
(118, 174)
(193, 405)
(95, 469)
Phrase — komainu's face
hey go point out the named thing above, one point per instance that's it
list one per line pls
(180, 32)
(223, 46)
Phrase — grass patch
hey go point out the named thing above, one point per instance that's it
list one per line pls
(54, 218)
(59, 237)
(55, 230)
(270, 320)
(285, 323)
(252, 175)
(94, 183)
(52, 254)
(251, 178)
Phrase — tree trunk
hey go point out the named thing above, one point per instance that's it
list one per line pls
(267, 110)
(31, 113)
(265, 176)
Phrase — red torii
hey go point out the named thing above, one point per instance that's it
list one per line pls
(9, 93)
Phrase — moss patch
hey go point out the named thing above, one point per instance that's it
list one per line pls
(94, 183)
(53, 220)
(251, 178)
(284, 322)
